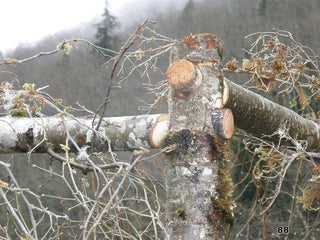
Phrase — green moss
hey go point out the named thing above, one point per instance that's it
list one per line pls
(191, 150)
(221, 209)
(181, 213)
(19, 112)
(187, 144)
(221, 213)
(184, 140)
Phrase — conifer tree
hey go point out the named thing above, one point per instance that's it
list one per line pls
(105, 28)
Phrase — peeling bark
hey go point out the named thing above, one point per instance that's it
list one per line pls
(260, 116)
(123, 133)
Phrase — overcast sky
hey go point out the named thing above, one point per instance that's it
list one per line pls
(28, 21)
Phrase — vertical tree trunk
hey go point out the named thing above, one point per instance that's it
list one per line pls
(199, 204)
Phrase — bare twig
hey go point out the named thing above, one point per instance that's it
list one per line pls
(13, 213)
(84, 168)
(127, 45)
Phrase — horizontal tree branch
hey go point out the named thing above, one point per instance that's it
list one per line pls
(121, 133)
(263, 118)
(252, 113)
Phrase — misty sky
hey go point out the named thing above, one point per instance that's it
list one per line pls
(29, 21)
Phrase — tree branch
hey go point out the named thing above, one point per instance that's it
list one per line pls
(83, 167)
(252, 113)
(123, 133)
(264, 118)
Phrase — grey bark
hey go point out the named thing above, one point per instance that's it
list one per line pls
(194, 171)
(123, 133)
(252, 113)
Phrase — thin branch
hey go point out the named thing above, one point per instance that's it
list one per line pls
(84, 168)
(127, 45)
(61, 47)
(13, 213)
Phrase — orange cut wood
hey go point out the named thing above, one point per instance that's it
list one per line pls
(184, 76)
(181, 73)
(223, 123)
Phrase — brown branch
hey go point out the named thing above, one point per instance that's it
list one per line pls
(127, 45)
(123, 49)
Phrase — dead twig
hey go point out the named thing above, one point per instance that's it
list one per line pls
(83, 167)
(127, 45)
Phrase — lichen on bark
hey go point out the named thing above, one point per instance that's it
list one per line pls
(193, 178)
